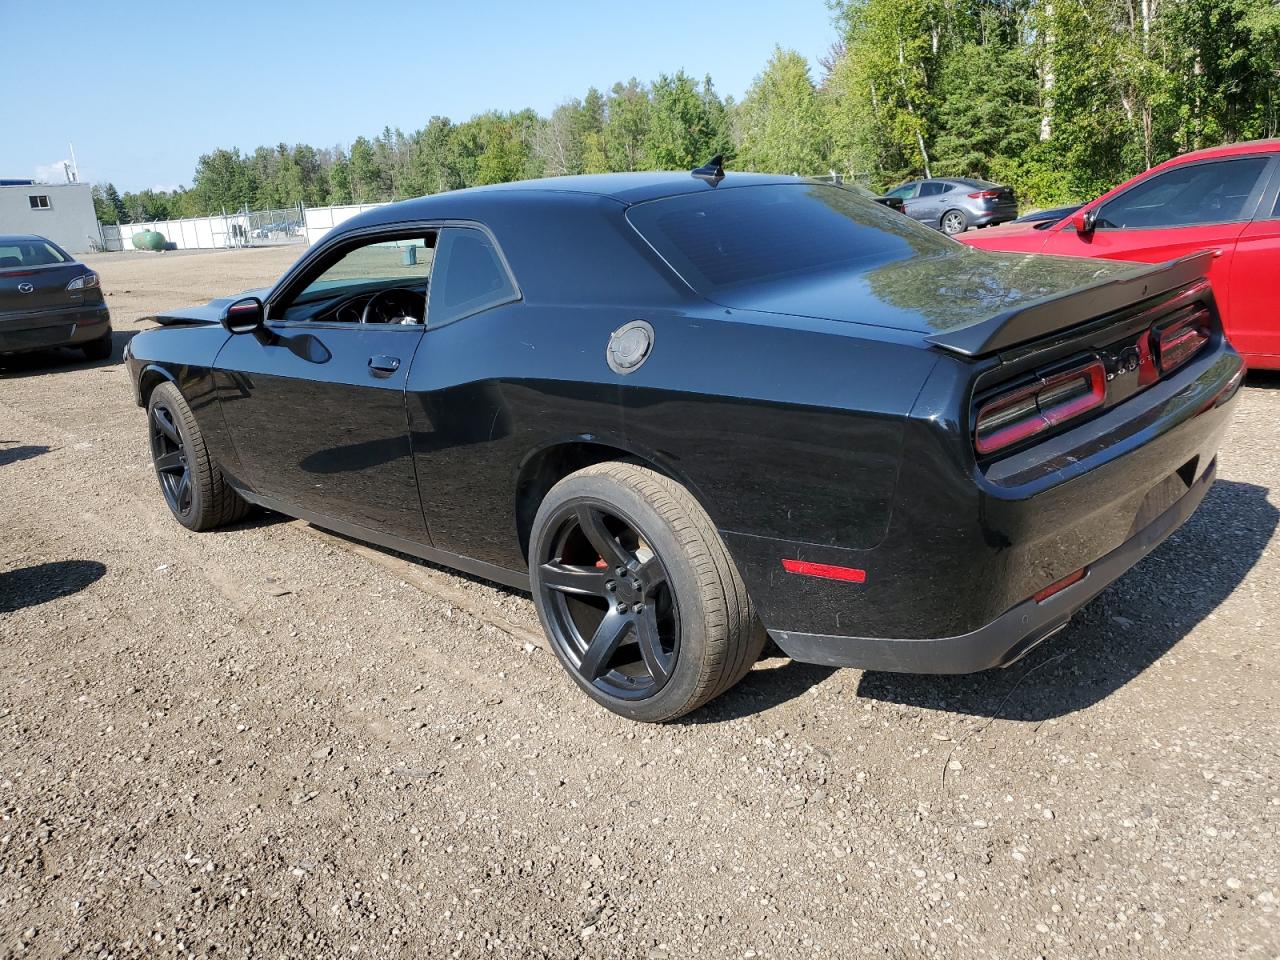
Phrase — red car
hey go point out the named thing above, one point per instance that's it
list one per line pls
(1226, 199)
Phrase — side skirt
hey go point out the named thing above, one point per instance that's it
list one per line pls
(477, 568)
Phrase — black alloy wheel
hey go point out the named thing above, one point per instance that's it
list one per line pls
(168, 452)
(198, 495)
(612, 613)
(637, 592)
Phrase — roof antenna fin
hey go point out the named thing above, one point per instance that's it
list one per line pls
(712, 171)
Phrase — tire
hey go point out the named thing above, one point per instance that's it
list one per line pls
(193, 486)
(683, 629)
(953, 222)
(96, 350)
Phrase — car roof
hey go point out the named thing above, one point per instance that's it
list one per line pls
(21, 238)
(636, 187)
(1271, 145)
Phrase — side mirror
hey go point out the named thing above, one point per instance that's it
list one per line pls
(244, 316)
(1084, 221)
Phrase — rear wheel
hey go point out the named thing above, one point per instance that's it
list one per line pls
(193, 486)
(638, 595)
(953, 222)
(99, 349)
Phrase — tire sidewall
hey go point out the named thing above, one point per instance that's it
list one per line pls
(964, 222)
(682, 579)
(169, 397)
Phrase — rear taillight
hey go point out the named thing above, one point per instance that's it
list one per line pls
(985, 195)
(1178, 340)
(85, 282)
(1050, 401)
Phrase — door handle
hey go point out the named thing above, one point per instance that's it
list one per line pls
(383, 366)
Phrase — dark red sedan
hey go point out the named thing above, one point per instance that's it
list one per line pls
(1226, 199)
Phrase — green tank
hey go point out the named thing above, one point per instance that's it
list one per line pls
(149, 240)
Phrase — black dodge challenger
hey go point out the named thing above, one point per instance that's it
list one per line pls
(685, 411)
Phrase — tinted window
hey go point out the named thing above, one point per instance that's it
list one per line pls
(904, 192)
(933, 188)
(340, 292)
(723, 238)
(1275, 212)
(29, 253)
(1187, 195)
(469, 276)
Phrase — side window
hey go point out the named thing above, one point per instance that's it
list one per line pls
(933, 188)
(383, 281)
(469, 276)
(904, 192)
(1275, 211)
(1185, 196)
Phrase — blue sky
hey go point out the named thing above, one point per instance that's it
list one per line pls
(143, 88)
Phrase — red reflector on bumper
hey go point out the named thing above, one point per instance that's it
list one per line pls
(1061, 585)
(825, 570)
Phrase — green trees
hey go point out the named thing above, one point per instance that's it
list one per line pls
(107, 204)
(1060, 98)
(780, 123)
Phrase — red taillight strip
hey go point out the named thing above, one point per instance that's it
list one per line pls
(1042, 418)
(1059, 585)
(825, 570)
(1180, 339)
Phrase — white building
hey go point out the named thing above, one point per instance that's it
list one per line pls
(63, 212)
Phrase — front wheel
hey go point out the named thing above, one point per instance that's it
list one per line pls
(638, 594)
(953, 222)
(198, 496)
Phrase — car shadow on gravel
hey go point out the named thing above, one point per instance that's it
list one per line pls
(1265, 379)
(60, 358)
(769, 684)
(26, 451)
(42, 582)
(1126, 629)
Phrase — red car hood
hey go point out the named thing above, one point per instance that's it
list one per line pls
(1016, 237)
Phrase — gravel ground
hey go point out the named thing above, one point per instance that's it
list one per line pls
(271, 742)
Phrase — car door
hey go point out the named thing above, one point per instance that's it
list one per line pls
(1255, 308)
(927, 207)
(316, 405)
(905, 193)
(1173, 213)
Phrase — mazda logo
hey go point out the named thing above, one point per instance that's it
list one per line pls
(25, 287)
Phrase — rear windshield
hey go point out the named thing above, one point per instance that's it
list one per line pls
(29, 253)
(717, 239)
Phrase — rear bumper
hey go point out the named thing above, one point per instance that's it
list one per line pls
(991, 217)
(1007, 638)
(53, 328)
(966, 548)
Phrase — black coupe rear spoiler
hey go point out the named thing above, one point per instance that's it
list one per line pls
(1050, 314)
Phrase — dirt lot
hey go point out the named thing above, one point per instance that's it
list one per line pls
(267, 742)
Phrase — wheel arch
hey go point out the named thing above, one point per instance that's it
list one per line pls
(543, 468)
(152, 376)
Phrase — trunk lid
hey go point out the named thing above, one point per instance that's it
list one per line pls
(30, 289)
(957, 300)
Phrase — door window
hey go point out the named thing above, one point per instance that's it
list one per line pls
(1197, 193)
(470, 276)
(904, 192)
(932, 188)
(383, 281)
